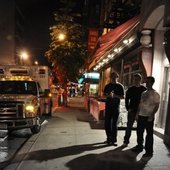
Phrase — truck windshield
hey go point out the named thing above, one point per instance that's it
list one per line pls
(18, 87)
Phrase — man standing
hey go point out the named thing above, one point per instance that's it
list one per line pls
(132, 99)
(149, 105)
(114, 92)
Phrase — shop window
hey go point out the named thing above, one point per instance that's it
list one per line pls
(41, 71)
(93, 89)
(135, 67)
(126, 81)
(126, 70)
(1, 71)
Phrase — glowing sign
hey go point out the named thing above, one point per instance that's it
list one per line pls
(92, 75)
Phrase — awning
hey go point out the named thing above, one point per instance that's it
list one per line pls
(109, 40)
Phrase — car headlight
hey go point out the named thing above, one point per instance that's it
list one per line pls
(30, 108)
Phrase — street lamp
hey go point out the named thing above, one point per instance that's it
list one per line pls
(61, 36)
(24, 56)
(36, 62)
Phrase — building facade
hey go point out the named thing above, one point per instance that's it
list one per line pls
(11, 29)
(147, 53)
(156, 19)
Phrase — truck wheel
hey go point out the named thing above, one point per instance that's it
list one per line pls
(36, 129)
(10, 132)
(49, 113)
(50, 109)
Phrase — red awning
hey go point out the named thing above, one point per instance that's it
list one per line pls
(107, 41)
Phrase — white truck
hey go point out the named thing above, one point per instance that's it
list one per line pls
(22, 99)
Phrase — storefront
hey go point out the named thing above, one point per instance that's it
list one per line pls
(90, 85)
(146, 55)
(155, 17)
(114, 49)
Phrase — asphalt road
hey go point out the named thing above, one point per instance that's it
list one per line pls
(11, 143)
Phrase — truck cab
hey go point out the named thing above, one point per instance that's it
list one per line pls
(21, 105)
(22, 101)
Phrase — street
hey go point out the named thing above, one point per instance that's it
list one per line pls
(11, 143)
(72, 140)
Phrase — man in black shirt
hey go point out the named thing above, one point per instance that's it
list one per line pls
(132, 100)
(114, 92)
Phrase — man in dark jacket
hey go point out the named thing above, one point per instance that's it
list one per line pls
(114, 92)
(132, 100)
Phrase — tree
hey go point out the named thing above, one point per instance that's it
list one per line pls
(66, 55)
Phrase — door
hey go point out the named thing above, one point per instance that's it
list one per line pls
(165, 95)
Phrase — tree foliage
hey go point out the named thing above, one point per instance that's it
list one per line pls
(67, 56)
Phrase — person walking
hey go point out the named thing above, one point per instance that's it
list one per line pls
(149, 104)
(114, 92)
(132, 100)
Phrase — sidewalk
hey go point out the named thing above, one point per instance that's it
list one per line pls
(72, 140)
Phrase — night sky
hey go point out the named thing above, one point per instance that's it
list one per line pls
(39, 17)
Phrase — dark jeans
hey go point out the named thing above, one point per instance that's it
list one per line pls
(143, 124)
(130, 121)
(111, 117)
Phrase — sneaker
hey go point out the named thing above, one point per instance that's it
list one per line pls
(114, 144)
(125, 145)
(137, 148)
(148, 154)
(107, 142)
(110, 143)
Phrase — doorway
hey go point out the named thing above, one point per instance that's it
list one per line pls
(165, 95)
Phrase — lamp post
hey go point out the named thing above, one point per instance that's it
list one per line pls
(23, 57)
(36, 62)
(61, 37)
